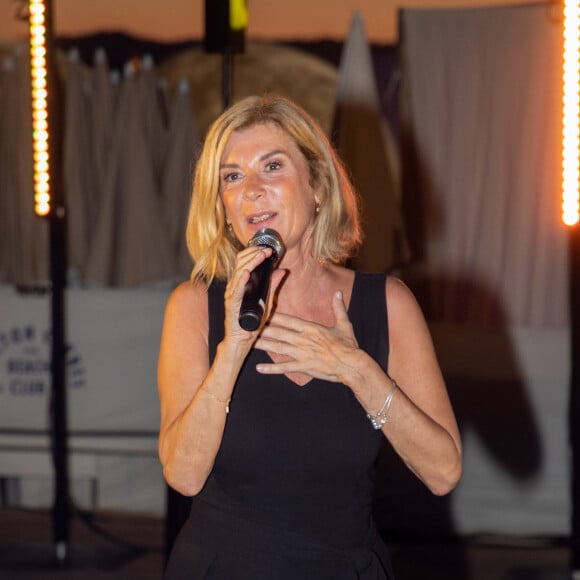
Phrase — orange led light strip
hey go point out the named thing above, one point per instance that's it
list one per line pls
(40, 119)
(571, 115)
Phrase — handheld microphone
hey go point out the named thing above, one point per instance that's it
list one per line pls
(256, 290)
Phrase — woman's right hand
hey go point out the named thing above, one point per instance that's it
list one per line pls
(247, 260)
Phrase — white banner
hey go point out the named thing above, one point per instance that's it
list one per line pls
(112, 347)
(511, 389)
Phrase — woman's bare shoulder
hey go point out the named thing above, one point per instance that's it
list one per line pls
(399, 293)
(402, 305)
(188, 303)
(189, 291)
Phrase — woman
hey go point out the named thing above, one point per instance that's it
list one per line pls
(275, 431)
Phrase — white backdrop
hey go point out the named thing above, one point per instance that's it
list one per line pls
(482, 162)
(113, 339)
(511, 394)
(481, 125)
(510, 391)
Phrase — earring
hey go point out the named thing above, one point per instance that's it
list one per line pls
(316, 206)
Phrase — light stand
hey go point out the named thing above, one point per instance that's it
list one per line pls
(49, 203)
(59, 422)
(571, 217)
(227, 76)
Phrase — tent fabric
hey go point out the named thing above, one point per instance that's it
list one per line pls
(77, 163)
(367, 147)
(183, 142)
(105, 91)
(482, 164)
(129, 147)
(130, 247)
(152, 96)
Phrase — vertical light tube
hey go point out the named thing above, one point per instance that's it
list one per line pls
(40, 117)
(571, 115)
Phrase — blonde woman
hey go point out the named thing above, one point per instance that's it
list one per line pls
(274, 432)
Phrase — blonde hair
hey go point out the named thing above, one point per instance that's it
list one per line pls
(337, 232)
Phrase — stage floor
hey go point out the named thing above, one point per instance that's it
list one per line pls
(124, 546)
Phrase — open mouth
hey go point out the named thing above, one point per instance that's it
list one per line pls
(257, 219)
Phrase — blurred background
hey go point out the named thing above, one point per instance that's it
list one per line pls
(449, 117)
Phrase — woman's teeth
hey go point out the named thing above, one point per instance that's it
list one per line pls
(260, 218)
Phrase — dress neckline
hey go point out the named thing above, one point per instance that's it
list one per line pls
(269, 360)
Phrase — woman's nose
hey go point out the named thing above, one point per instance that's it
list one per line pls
(253, 187)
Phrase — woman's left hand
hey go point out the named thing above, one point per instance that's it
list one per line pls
(322, 352)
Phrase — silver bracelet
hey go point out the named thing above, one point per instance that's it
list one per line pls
(380, 417)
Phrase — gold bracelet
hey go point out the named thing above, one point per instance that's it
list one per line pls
(225, 402)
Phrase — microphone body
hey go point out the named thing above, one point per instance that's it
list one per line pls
(256, 290)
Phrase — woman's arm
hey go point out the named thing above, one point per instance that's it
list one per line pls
(193, 395)
(421, 425)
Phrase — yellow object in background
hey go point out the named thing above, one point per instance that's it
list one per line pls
(238, 14)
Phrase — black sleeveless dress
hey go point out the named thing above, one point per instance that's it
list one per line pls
(289, 497)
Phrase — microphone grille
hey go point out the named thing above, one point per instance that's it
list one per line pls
(270, 238)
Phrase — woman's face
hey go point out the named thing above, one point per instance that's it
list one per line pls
(265, 183)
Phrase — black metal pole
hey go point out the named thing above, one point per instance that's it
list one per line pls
(59, 423)
(574, 418)
(227, 76)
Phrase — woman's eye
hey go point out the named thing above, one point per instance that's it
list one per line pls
(273, 165)
(230, 177)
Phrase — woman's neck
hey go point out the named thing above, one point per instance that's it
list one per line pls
(307, 288)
